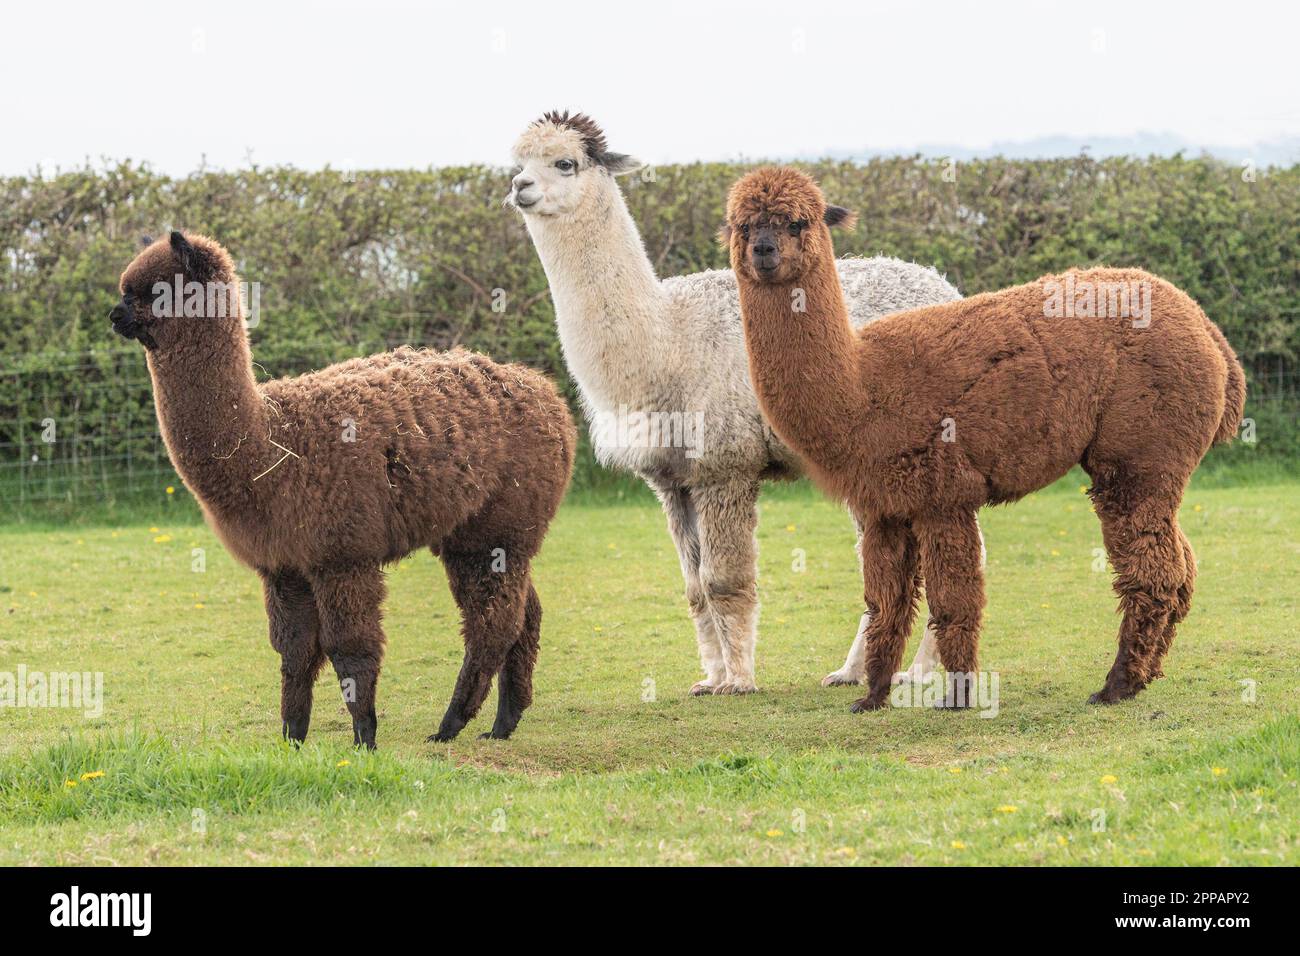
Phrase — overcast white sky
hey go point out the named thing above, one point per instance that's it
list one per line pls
(384, 83)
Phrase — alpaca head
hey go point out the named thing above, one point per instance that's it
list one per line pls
(562, 160)
(175, 289)
(778, 224)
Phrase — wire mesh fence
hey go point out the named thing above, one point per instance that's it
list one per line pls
(80, 427)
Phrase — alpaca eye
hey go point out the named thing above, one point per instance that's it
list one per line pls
(744, 232)
(797, 227)
(565, 165)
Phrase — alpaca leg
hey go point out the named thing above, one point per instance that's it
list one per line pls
(728, 515)
(295, 634)
(927, 653)
(1146, 550)
(515, 683)
(683, 525)
(889, 579)
(1183, 604)
(349, 603)
(492, 614)
(954, 588)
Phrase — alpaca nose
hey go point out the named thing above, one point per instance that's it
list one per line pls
(764, 248)
(520, 183)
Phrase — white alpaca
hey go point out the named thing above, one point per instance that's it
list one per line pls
(652, 356)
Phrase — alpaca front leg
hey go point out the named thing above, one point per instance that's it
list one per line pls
(728, 517)
(349, 603)
(889, 563)
(683, 526)
(951, 547)
(295, 634)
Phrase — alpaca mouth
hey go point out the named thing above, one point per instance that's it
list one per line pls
(523, 203)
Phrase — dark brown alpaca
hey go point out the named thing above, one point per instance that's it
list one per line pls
(1022, 384)
(318, 481)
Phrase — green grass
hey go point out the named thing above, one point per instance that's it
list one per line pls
(194, 771)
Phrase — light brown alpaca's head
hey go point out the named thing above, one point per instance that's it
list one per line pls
(778, 225)
(175, 289)
(562, 159)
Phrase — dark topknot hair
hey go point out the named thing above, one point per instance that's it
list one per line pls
(593, 137)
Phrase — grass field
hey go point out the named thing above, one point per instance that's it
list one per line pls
(614, 763)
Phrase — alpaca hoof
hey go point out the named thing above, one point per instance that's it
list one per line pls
(441, 737)
(912, 677)
(1112, 695)
(949, 701)
(840, 679)
(870, 702)
(736, 687)
(703, 689)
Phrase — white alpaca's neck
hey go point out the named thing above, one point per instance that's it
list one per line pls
(609, 308)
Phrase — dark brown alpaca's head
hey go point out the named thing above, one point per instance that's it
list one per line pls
(777, 225)
(176, 288)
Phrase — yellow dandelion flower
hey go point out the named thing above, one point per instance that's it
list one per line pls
(1061, 841)
(198, 606)
(1062, 533)
(1045, 606)
(598, 628)
(153, 530)
(171, 490)
(1008, 808)
(846, 851)
(1197, 508)
(1083, 489)
(954, 769)
(789, 527)
(1218, 771)
(958, 845)
(1107, 780)
(1055, 553)
(93, 775)
(344, 763)
(69, 783)
(162, 539)
(774, 833)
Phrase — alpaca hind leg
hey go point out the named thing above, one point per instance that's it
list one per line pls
(683, 525)
(889, 586)
(728, 516)
(515, 682)
(349, 602)
(1182, 605)
(1146, 551)
(295, 634)
(492, 613)
(954, 586)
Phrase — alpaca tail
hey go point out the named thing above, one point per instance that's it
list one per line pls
(1234, 392)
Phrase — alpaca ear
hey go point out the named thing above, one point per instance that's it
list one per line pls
(146, 241)
(724, 234)
(620, 164)
(186, 254)
(839, 216)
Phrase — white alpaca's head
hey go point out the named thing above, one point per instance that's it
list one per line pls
(562, 161)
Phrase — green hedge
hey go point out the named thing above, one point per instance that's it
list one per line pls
(353, 263)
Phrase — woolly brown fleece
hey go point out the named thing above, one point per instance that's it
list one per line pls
(318, 481)
(922, 417)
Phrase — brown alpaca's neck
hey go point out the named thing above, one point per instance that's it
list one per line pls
(803, 363)
(211, 414)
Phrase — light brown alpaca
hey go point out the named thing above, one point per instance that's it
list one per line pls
(318, 481)
(1116, 370)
